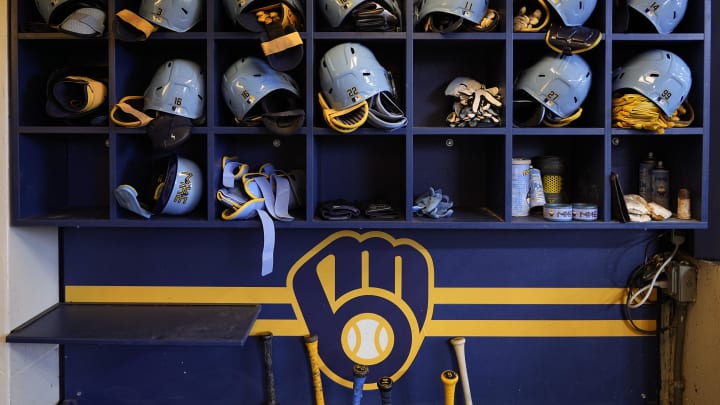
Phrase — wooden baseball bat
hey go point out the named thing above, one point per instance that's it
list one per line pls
(311, 343)
(385, 385)
(449, 379)
(360, 373)
(459, 346)
(267, 362)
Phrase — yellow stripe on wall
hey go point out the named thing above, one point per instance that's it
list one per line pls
(446, 296)
(530, 296)
(282, 295)
(489, 328)
(175, 295)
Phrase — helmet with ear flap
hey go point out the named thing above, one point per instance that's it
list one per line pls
(661, 76)
(664, 15)
(559, 83)
(255, 92)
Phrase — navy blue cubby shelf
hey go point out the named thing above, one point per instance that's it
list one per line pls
(65, 175)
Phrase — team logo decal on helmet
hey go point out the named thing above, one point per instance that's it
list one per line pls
(664, 15)
(362, 15)
(173, 102)
(556, 86)
(178, 189)
(456, 15)
(355, 88)
(174, 15)
(652, 80)
(256, 93)
(83, 18)
(278, 23)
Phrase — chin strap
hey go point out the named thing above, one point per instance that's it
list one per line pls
(131, 27)
(268, 194)
(551, 120)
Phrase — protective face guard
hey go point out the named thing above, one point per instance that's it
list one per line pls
(166, 131)
(346, 120)
(86, 22)
(384, 113)
(128, 112)
(373, 16)
(567, 40)
(78, 94)
(130, 27)
(280, 41)
(278, 112)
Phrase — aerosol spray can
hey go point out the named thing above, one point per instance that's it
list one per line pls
(661, 185)
(645, 177)
(520, 187)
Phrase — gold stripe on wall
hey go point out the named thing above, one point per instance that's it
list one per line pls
(489, 328)
(459, 296)
(282, 295)
(536, 296)
(535, 328)
(173, 295)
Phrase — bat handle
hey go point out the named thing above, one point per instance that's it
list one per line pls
(385, 385)
(360, 373)
(311, 342)
(267, 361)
(449, 379)
(459, 346)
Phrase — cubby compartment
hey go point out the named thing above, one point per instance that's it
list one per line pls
(39, 60)
(678, 154)
(470, 170)
(67, 180)
(172, 15)
(230, 51)
(439, 62)
(137, 64)
(389, 53)
(691, 52)
(493, 6)
(576, 162)
(223, 21)
(595, 20)
(631, 21)
(332, 16)
(139, 166)
(285, 153)
(530, 58)
(360, 170)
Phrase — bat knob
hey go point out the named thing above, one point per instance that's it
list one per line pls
(385, 384)
(449, 376)
(457, 341)
(360, 371)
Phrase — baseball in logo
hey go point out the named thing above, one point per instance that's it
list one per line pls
(367, 298)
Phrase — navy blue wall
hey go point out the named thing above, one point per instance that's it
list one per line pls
(540, 348)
